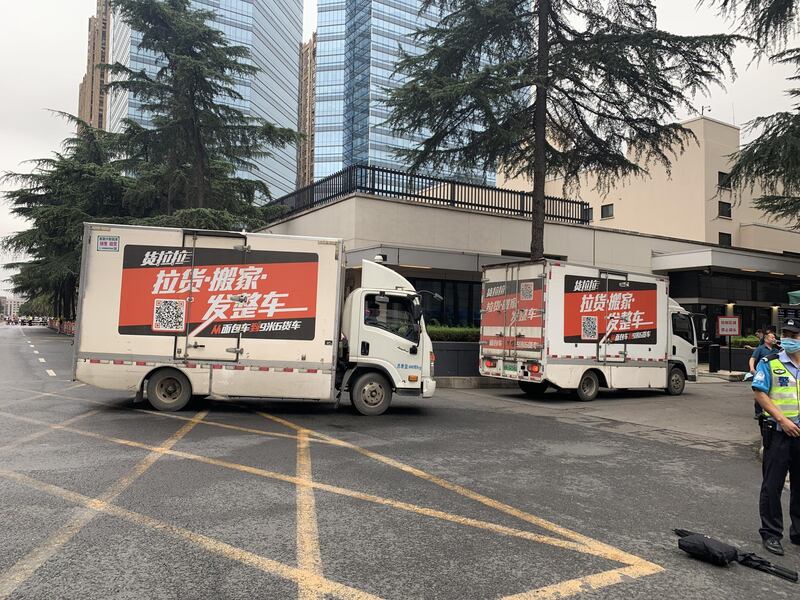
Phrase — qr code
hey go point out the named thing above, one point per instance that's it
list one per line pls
(588, 328)
(526, 290)
(169, 315)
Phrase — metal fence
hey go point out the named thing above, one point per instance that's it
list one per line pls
(432, 191)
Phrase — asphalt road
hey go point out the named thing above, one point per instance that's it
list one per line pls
(471, 494)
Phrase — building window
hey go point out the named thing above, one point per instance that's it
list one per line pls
(723, 180)
(725, 239)
(724, 210)
(606, 211)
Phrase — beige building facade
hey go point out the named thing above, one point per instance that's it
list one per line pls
(691, 201)
(92, 94)
(305, 112)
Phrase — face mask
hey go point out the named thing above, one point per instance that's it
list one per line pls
(790, 345)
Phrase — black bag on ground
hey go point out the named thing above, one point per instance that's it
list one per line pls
(708, 549)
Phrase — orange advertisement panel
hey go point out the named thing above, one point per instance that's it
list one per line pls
(594, 307)
(212, 292)
(511, 314)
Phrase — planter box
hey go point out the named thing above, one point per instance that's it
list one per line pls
(740, 358)
(457, 359)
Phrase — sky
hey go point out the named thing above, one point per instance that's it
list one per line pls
(43, 58)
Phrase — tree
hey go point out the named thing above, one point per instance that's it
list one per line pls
(771, 161)
(552, 88)
(198, 139)
(78, 184)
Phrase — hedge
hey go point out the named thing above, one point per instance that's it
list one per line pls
(741, 342)
(440, 333)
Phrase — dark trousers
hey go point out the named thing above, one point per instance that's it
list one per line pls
(781, 456)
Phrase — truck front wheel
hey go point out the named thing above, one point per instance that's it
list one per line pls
(676, 382)
(168, 390)
(533, 389)
(371, 394)
(588, 387)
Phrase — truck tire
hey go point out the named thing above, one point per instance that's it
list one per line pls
(676, 382)
(533, 389)
(588, 387)
(371, 394)
(168, 390)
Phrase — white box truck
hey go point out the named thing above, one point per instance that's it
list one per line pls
(172, 313)
(553, 324)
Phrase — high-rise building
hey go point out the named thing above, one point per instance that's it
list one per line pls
(358, 47)
(305, 112)
(272, 31)
(92, 93)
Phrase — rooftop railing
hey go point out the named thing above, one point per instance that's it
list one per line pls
(432, 191)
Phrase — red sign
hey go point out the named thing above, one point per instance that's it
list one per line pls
(213, 292)
(511, 315)
(729, 326)
(594, 307)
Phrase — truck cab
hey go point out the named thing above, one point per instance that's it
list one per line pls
(682, 348)
(385, 348)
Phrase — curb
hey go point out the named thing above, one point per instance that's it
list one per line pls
(467, 383)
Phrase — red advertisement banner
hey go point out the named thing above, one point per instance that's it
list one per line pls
(272, 295)
(593, 307)
(511, 315)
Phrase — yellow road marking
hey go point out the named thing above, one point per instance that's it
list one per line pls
(562, 589)
(35, 396)
(24, 568)
(413, 508)
(635, 566)
(308, 553)
(209, 544)
(156, 413)
(36, 435)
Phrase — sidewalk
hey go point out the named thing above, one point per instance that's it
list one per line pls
(703, 375)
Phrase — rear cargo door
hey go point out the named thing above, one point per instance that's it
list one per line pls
(219, 284)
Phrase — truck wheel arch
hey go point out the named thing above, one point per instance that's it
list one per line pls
(601, 377)
(354, 373)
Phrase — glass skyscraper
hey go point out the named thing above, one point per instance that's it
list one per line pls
(357, 50)
(272, 30)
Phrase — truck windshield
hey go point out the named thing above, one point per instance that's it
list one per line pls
(395, 316)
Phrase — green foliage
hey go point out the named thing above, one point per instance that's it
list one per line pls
(441, 333)
(607, 85)
(198, 140)
(769, 165)
(184, 171)
(40, 306)
(741, 342)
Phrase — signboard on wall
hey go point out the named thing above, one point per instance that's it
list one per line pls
(729, 326)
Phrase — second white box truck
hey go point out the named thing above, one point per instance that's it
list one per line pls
(554, 324)
(174, 313)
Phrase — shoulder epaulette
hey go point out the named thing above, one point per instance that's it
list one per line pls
(770, 357)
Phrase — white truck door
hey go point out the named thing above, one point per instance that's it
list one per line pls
(612, 347)
(682, 345)
(221, 286)
(389, 336)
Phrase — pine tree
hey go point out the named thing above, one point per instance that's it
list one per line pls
(553, 88)
(770, 163)
(198, 140)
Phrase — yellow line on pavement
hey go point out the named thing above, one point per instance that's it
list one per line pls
(36, 435)
(592, 546)
(24, 568)
(34, 397)
(563, 589)
(308, 553)
(413, 508)
(209, 544)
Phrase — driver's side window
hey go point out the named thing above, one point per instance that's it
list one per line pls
(395, 315)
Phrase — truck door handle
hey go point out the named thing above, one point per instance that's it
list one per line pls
(364, 348)
(196, 345)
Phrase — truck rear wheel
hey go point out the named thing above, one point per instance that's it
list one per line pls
(168, 390)
(533, 389)
(588, 387)
(371, 394)
(676, 382)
